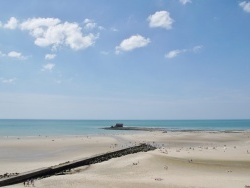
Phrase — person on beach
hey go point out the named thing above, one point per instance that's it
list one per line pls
(27, 183)
(32, 182)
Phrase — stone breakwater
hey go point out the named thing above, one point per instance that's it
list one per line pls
(53, 170)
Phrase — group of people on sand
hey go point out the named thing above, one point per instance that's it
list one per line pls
(6, 175)
(29, 183)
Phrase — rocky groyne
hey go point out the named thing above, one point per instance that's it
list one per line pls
(49, 171)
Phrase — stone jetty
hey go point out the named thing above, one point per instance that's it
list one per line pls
(49, 171)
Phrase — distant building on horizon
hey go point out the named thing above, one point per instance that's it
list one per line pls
(117, 125)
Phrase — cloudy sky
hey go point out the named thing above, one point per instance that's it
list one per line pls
(126, 59)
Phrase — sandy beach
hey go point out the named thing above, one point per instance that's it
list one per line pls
(183, 159)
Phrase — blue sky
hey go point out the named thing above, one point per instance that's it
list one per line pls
(79, 59)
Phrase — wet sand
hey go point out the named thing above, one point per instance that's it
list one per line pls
(183, 159)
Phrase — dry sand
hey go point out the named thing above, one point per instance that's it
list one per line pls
(182, 160)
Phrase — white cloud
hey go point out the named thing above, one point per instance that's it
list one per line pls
(11, 24)
(15, 54)
(160, 19)
(135, 41)
(48, 67)
(197, 48)
(185, 1)
(245, 5)
(52, 32)
(39, 23)
(89, 24)
(174, 53)
(50, 56)
(75, 39)
(8, 81)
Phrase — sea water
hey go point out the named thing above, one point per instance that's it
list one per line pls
(87, 127)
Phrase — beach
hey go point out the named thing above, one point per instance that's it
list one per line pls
(186, 159)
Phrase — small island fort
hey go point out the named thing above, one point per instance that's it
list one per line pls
(120, 126)
(117, 125)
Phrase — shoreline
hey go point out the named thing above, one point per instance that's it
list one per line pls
(173, 130)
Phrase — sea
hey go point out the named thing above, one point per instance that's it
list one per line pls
(21, 127)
